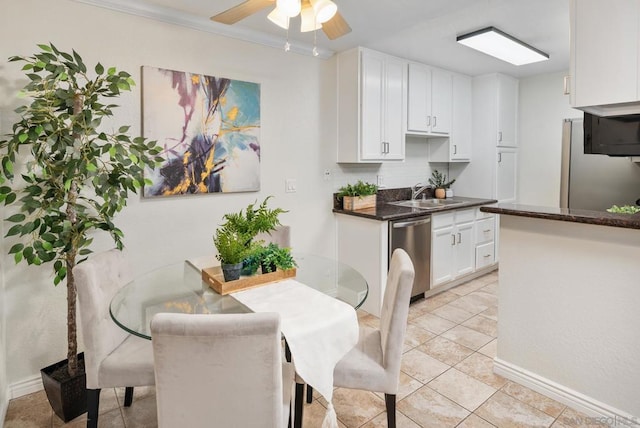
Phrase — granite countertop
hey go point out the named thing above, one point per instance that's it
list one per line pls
(601, 218)
(384, 211)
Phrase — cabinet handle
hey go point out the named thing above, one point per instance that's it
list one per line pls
(386, 150)
(499, 135)
(453, 240)
(487, 255)
(428, 120)
(499, 157)
(459, 238)
(487, 230)
(566, 90)
(435, 118)
(455, 149)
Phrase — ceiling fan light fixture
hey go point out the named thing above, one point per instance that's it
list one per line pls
(308, 20)
(279, 18)
(290, 8)
(501, 45)
(324, 10)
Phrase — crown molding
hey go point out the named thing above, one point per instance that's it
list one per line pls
(176, 17)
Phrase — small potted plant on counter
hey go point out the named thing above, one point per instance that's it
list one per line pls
(440, 184)
(233, 247)
(358, 196)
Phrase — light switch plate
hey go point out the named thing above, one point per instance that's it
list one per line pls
(290, 185)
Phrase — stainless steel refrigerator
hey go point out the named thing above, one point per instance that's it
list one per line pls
(594, 182)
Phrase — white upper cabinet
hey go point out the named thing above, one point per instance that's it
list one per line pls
(507, 111)
(371, 106)
(429, 100)
(605, 56)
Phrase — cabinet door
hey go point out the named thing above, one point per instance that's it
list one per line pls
(442, 255)
(464, 249)
(441, 93)
(394, 105)
(604, 52)
(506, 175)
(460, 141)
(372, 120)
(507, 111)
(419, 99)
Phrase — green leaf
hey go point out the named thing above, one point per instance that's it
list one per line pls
(91, 167)
(23, 137)
(47, 245)
(99, 68)
(16, 229)
(111, 71)
(45, 48)
(16, 248)
(16, 218)
(17, 258)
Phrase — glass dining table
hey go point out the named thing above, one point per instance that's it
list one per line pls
(179, 288)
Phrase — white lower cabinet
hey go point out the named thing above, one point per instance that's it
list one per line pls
(452, 245)
(485, 239)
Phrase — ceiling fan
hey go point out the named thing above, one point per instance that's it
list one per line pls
(314, 14)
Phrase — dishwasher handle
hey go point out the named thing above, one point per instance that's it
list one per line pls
(410, 223)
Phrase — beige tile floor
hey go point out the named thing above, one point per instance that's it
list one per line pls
(447, 379)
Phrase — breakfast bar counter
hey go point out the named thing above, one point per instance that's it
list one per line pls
(601, 218)
(569, 307)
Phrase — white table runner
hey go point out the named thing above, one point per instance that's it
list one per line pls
(319, 330)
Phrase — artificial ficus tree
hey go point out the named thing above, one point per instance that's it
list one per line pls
(75, 177)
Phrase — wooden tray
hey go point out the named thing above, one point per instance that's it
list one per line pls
(213, 276)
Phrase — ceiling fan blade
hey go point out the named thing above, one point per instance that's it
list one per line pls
(241, 11)
(336, 27)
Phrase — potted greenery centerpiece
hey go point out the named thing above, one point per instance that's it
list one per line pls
(234, 238)
(75, 179)
(274, 257)
(358, 196)
(440, 183)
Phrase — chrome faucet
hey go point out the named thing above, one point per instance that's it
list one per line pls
(416, 189)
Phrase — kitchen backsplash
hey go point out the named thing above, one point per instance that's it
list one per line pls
(414, 169)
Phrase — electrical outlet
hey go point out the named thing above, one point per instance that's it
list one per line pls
(327, 174)
(290, 185)
(380, 181)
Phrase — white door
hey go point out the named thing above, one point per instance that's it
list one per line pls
(419, 98)
(441, 109)
(394, 103)
(442, 244)
(507, 111)
(464, 249)
(506, 175)
(371, 131)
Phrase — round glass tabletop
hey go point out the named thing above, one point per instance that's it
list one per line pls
(179, 288)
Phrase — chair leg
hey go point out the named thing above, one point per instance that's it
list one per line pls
(297, 416)
(309, 394)
(93, 403)
(390, 401)
(128, 396)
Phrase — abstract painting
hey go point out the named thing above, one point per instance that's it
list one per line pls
(209, 128)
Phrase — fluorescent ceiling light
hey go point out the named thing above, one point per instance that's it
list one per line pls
(499, 44)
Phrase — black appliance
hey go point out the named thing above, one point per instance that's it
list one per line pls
(612, 135)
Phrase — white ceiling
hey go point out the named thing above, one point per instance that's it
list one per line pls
(419, 30)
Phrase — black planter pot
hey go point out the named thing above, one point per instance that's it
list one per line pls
(231, 272)
(68, 397)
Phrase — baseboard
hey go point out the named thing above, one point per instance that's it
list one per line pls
(574, 399)
(25, 387)
(3, 407)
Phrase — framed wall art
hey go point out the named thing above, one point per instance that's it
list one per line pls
(209, 128)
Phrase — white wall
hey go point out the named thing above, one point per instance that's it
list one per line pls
(543, 107)
(568, 304)
(298, 127)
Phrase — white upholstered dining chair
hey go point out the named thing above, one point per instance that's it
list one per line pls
(221, 370)
(374, 363)
(113, 358)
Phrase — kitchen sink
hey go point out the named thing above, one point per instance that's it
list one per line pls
(427, 203)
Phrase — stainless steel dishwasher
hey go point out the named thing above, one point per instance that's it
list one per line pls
(414, 236)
